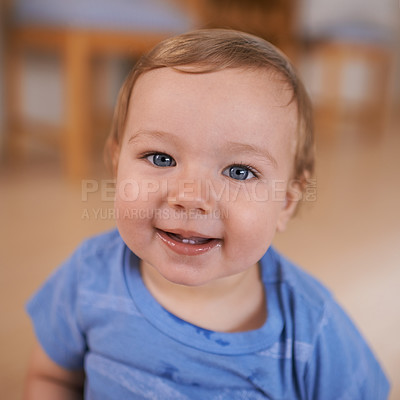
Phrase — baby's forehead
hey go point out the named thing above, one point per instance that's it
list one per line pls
(240, 102)
(250, 79)
(247, 92)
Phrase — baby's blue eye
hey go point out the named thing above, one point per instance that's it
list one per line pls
(161, 160)
(238, 172)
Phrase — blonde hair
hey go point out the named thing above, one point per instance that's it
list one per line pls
(210, 50)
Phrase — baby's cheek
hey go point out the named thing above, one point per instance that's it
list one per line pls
(251, 223)
(127, 191)
(124, 217)
(133, 223)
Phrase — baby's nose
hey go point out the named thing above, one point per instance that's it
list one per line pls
(191, 194)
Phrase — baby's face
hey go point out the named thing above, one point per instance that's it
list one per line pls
(204, 170)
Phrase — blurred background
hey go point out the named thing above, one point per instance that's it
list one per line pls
(62, 64)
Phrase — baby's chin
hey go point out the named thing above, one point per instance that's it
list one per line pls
(182, 274)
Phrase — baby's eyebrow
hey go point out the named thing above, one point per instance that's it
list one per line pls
(149, 134)
(236, 147)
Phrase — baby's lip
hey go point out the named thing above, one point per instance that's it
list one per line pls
(187, 243)
(185, 234)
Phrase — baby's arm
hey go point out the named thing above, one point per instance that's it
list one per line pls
(46, 380)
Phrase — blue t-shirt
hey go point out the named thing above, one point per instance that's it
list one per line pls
(96, 313)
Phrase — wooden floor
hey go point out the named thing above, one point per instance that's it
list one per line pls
(349, 238)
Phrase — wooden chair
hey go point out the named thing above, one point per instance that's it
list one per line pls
(76, 43)
(362, 62)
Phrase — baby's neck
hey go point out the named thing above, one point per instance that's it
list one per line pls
(232, 304)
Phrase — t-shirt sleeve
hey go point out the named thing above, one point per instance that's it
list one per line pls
(342, 366)
(54, 313)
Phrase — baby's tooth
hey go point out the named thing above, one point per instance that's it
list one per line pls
(188, 241)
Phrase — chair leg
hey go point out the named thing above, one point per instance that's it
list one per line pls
(77, 136)
(13, 84)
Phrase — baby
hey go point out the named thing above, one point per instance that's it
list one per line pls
(212, 148)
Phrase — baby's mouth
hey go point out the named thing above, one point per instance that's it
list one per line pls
(188, 240)
(187, 243)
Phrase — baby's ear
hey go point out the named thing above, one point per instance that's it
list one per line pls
(115, 152)
(293, 196)
(111, 155)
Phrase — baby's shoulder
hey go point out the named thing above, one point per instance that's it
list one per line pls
(305, 304)
(310, 311)
(319, 332)
(299, 284)
(99, 256)
(100, 245)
